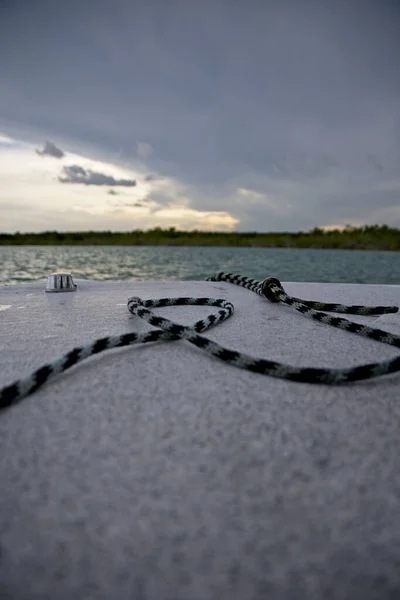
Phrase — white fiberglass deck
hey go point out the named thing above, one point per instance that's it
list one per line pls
(159, 472)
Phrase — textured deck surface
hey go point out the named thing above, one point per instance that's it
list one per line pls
(158, 472)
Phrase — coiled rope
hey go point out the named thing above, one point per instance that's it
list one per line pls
(270, 288)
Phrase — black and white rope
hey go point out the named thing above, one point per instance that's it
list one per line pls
(23, 387)
(272, 289)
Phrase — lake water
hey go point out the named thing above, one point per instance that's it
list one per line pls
(20, 264)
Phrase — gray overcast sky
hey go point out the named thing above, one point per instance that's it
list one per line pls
(253, 115)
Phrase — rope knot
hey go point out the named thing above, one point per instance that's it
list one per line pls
(133, 303)
(272, 289)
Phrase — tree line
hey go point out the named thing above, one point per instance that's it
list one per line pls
(368, 237)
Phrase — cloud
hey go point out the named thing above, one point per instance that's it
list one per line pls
(29, 185)
(50, 149)
(6, 140)
(77, 174)
(301, 108)
(139, 203)
(144, 150)
(373, 163)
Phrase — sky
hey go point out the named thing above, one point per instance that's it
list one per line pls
(247, 115)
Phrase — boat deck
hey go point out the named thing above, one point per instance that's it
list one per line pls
(157, 471)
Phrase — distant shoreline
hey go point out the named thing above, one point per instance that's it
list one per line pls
(371, 237)
(370, 248)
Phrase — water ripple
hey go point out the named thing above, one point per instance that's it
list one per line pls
(20, 264)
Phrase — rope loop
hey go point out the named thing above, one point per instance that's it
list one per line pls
(167, 330)
(272, 289)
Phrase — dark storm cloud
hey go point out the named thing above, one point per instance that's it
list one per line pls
(76, 174)
(296, 100)
(138, 203)
(374, 163)
(120, 205)
(50, 149)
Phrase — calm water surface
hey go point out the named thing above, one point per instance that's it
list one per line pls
(19, 264)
